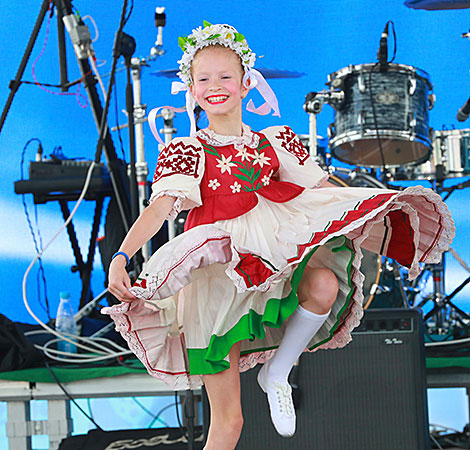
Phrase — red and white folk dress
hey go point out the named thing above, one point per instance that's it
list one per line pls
(258, 216)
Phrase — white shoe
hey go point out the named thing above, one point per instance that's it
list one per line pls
(280, 403)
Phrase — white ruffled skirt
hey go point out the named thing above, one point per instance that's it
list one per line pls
(236, 280)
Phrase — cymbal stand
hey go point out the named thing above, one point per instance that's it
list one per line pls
(313, 105)
(443, 305)
(168, 130)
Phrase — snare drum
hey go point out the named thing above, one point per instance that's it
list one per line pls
(400, 98)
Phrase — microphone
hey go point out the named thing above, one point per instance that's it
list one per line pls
(382, 53)
(160, 22)
(464, 111)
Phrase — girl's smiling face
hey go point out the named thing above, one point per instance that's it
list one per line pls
(217, 81)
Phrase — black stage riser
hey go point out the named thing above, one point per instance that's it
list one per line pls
(370, 395)
(146, 439)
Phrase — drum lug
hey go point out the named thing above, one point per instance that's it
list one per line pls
(361, 83)
(412, 121)
(361, 120)
(431, 101)
(331, 131)
(412, 85)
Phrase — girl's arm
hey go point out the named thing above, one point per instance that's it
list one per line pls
(143, 229)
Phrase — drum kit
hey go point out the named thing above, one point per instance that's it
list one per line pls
(381, 126)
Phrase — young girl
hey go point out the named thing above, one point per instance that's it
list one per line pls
(268, 265)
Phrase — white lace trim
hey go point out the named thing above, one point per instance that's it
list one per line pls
(248, 138)
(177, 206)
(176, 382)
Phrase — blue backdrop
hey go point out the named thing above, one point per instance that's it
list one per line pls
(316, 38)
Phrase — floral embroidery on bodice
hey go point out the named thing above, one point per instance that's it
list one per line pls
(237, 169)
(232, 170)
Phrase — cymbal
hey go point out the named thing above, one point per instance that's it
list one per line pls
(434, 5)
(267, 73)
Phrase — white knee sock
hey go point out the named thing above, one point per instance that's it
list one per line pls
(301, 328)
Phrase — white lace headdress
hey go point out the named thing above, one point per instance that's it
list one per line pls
(229, 37)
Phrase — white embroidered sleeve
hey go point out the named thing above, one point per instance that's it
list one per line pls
(179, 171)
(295, 163)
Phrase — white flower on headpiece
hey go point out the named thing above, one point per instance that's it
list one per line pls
(228, 36)
(222, 34)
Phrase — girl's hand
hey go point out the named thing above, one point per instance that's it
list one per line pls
(119, 282)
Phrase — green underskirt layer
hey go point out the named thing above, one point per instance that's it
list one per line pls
(211, 360)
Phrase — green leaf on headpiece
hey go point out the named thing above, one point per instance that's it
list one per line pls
(239, 37)
(206, 23)
(191, 41)
(245, 52)
(182, 42)
(213, 36)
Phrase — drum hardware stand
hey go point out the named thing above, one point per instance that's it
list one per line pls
(391, 267)
(168, 130)
(398, 279)
(313, 105)
(440, 299)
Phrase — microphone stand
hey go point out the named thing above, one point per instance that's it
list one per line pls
(16, 83)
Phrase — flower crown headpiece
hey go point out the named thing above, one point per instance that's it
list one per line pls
(229, 37)
(220, 34)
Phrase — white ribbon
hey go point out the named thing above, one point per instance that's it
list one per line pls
(176, 88)
(153, 116)
(257, 81)
(252, 79)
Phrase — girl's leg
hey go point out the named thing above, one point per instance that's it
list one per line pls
(223, 390)
(317, 292)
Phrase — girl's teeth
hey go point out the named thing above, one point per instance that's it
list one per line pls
(216, 99)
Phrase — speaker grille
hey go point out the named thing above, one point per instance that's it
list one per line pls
(370, 395)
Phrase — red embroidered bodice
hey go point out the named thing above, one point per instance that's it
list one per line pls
(233, 177)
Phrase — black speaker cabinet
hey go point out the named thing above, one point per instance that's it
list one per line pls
(370, 395)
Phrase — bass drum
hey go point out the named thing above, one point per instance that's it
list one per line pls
(383, 120)
(381, 288)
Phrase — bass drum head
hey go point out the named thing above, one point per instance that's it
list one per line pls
(363, 150)
(380, 287)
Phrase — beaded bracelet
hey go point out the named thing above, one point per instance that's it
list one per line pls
(123, 254)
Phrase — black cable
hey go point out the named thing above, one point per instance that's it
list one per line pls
(129, 13)
(382, 155)
(41, 270)
(394, 42)
(150, 413)
(178, 417)
(116, 55)
(71, 398)
(374, 113)
(40, 274)
(88, 402)
(159, 413)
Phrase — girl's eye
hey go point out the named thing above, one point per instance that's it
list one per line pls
(202, 79)
(226, 77)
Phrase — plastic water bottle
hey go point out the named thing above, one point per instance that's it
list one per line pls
(65, 323)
